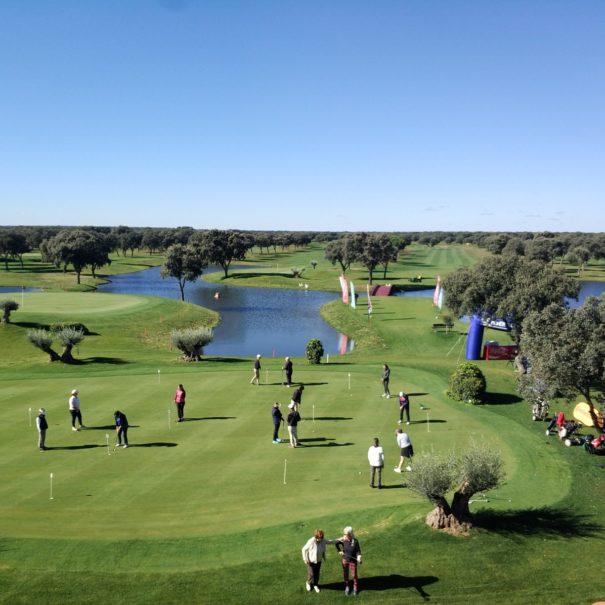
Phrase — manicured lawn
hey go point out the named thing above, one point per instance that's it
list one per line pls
(199, 512)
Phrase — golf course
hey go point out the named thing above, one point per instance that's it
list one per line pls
(209, 510)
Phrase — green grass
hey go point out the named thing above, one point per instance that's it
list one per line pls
(198, 512)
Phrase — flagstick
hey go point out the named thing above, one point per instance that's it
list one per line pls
(30, 416)
(313, 412)
(159, 379)
(349, 381)
(107, 442)
(51, 487)
(285, 468)
(328, 358)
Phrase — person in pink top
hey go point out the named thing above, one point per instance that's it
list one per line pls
(179, 399)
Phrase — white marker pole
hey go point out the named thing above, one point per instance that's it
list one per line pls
(30, 416)
(285, 468)
(159, 379)
(349, 381)
(51, 487)
(313, 412)
(328, 358)
(107, 442)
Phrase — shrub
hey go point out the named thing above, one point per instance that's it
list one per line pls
(315, 351)
(297, 271)
(7, 306)
(467, 383)
(313, 263)
(43, 340)
(191, 341)
(79, 327)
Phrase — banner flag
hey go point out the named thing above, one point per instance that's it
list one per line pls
(440, 301)
(353, 301)
(345, 289)
(369, 300)
(437, 290)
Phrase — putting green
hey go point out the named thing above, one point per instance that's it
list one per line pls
(84, 303)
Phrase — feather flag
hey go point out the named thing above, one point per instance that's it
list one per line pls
(437, 290)
(369, 301)
(345, 289)
(353, 301)
(440, 301)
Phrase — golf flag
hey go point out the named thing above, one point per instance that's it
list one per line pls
(440, 301)
(369, 301)
(345, 289)
(437, 290)
(353, 301)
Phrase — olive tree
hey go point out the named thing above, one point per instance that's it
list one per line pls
(469, 472)
(191, 341)
(43, 340)
(185, 264)
(7, 306)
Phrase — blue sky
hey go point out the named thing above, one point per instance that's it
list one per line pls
(312, 114)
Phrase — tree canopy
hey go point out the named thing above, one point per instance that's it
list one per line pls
(184, 263)
(222, 247)
(509, 287)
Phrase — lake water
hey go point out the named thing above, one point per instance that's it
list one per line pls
(272, 322)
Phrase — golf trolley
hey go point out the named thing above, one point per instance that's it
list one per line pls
(540, 409)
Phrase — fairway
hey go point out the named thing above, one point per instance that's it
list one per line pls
(211, 511)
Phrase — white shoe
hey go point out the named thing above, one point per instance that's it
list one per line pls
(399, 422)
(408, 422)
(316, 588)
(397, 469)
(126, 445)
(73, 428)
(408, 468)
(308, 586)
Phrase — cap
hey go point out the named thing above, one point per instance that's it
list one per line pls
(42, 411)
(347, 530)
(258, 356)
(400, 393)
(74, 392)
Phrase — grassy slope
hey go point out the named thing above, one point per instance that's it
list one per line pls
(199, 513)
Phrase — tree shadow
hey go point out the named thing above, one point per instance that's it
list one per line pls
(155, 444)
(192, 419)
(545, 521)
(103, 360)
(501, 399)
(395, 486)
(32, 325)
(391, 582)
(417, 394)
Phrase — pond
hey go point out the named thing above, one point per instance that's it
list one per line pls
(269, 321)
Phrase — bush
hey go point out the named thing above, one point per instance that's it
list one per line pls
(467, 383)
(77, 326)
(7, 306)
(297, 271)
(315, 351)
(191, 341)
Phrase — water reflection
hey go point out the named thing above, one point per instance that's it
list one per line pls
(272, 322)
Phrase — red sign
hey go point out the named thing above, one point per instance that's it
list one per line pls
(500, 352)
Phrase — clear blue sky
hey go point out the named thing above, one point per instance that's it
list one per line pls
(310, 114)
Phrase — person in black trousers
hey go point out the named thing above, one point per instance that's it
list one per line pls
(288, 370)
(278, 418)
(121, 427)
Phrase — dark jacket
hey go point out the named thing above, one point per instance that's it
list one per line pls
(293, 418)
(349, 548)
(277, 416)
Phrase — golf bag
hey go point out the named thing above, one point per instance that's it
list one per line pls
(594, 446)
(539, 410)
(566, 433)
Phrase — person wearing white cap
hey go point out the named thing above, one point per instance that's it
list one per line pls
(350, 551)
(41, 425)
(256, 371)
(74, 410)
(287, 368)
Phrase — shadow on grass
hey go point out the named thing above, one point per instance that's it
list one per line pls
(333, 418)
(155, 444)
(191, 419)
(253, 274)
(101, 428)
(88, 446)
(417, 394)
(32, 325)
(114, 361)
(390, 582)
(396, 486)
(224, 359)
(501, 399)
(546, 522)
(322, 442)
(430, 421)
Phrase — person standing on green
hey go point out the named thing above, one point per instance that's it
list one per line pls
(256, 371)
(41, 425)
